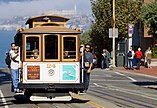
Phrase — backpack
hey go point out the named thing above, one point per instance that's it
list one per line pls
(129, 54)
(7, 59)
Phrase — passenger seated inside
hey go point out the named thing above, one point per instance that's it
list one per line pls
(66, 54)
(35, 54)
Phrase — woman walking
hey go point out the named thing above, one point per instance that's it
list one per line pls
(148, 57)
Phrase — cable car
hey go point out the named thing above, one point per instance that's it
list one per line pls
(50, 57)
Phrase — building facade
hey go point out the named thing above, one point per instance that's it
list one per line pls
(147, 40)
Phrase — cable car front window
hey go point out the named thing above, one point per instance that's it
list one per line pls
(51, 47)
(32, 47)
(69, 47)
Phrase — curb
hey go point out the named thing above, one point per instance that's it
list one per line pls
(138, 73)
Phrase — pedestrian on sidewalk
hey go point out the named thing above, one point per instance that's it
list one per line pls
(148, 57)
(130, 55)
(106, 58)
(138, 55)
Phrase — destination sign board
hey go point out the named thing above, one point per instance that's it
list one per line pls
(33, 72)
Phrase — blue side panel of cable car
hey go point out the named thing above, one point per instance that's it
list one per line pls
(69, 72)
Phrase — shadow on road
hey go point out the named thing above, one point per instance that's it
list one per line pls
(145, 83)
(150, 85)
(21, 99)
(2, 104)
(4, 76)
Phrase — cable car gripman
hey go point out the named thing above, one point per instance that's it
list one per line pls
(50, 57)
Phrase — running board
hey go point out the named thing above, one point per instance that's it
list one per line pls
(51, 97)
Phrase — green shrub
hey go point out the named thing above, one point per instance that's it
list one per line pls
(154, 52)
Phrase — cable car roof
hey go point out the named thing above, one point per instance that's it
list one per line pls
(50, 29)
(30, 20)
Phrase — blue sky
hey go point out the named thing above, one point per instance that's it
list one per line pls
(11, 8)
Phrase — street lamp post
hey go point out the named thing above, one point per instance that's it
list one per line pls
(113, 33)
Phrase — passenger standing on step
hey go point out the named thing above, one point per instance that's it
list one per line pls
(9, 64)
(15, 59)
(88, 63)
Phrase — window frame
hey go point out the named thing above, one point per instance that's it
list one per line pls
(25, 43)
(70, 59)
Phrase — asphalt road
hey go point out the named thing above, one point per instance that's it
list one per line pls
(126, 90)
(108, 89)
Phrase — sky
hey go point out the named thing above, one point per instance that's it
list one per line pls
(11, 8)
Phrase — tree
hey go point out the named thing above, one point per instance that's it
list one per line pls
(127, 12)
(85, 38)
(149, 17)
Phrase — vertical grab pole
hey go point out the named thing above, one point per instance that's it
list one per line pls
(19, 64)
(82, 64)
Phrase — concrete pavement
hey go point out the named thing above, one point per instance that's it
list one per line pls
(143, 70)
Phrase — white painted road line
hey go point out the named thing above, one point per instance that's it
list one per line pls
(132, 79)
(98, 85)
(119, 73)
(3, 100)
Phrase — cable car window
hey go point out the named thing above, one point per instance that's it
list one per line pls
(50, 24)
(51, 47)
(57, 19)
(69, 47)
(45, 19)
(32, 47)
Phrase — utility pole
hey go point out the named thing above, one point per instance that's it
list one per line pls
(113, 33)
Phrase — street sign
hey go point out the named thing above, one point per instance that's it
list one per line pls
(110, 33)
(130, 29)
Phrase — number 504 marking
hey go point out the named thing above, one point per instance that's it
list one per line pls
(50, 66)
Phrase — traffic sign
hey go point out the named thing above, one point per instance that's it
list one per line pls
(130, 29)
(110, 33)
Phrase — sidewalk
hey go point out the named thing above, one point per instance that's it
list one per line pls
(143, 70)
